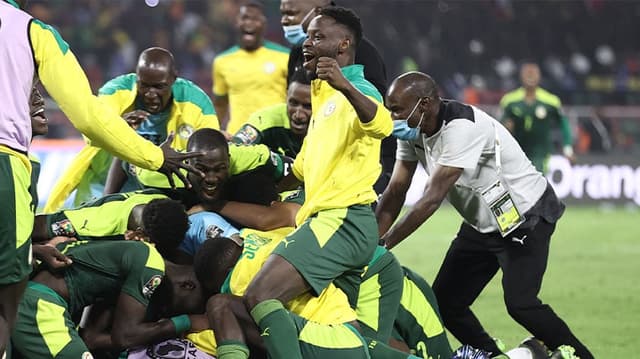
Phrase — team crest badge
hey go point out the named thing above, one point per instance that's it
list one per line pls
(63, 228)
(329, 108)
(185, 131)
(87, 355)
(133, 170)
(269, 67)
(541, 112)
(247, 135)
(213, 231)
(152, 284)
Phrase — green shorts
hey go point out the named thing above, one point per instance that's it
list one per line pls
(379, 297)
(418, 321)
(44, 328)
(16, 219)
(334, 244)
(329, 341)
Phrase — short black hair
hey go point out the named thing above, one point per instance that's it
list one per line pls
(300, 76)
(213, 257)
(165, 222)
(207, 139)
(347, 18)
(254, 3)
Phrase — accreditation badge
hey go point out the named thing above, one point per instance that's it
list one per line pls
(503, 209)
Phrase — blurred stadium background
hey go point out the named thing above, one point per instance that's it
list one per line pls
(590, 57)
(588, 51)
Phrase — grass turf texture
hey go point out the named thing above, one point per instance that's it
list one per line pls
(591, 280)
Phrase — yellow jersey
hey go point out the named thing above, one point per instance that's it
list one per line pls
(340, 158)
(251, 80)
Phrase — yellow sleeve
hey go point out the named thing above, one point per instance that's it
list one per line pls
(381, 125)
(219, 84)
(119, 101)
(70, 179)
(65, 81)
(298, 163)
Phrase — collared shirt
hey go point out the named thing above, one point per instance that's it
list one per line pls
(466, 139)
(340, 157)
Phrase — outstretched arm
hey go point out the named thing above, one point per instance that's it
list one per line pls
(437, 187)
(263, 218)
(66, 82)
(394, 195)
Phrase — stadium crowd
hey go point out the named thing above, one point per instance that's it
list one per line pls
(255, 219)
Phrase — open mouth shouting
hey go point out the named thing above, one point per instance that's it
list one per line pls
(309, 57)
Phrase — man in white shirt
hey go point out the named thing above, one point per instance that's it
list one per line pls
(509, 211)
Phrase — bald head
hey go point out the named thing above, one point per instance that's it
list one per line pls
(157, 58)
(156, 74)
(413, 97)
(416, 84)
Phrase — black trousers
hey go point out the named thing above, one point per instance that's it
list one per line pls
(474, 258)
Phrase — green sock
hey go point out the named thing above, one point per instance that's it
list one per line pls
(277, 329)
(231, 349)
(379, 350)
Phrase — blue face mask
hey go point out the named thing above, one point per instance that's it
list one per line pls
(401, 129)
(294, 34)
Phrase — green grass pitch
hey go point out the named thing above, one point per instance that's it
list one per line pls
(592, 279)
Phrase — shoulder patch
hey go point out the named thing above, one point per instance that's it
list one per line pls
(152, 284)
(247, 135)
(213, 231)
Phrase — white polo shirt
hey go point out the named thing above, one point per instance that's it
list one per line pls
(466, 139)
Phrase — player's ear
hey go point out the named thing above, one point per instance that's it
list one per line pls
(344, 45)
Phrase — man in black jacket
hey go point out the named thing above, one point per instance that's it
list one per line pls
(296, 16)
